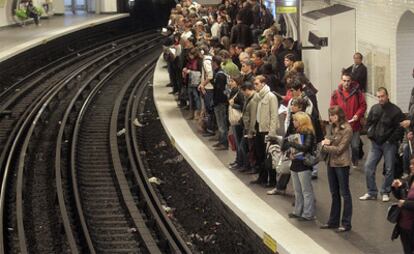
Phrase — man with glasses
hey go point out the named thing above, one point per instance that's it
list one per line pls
(349, 97)
(385, 132)
(358, 71)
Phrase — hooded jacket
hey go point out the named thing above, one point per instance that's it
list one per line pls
(352, 103)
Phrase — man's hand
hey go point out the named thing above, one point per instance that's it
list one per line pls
(326, 142)
(401, 202)
(410, 135)
(405, 123)
(396, 183)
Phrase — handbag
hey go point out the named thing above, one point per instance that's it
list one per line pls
(393, 213)
(310, 159)
(283, 167)
(234, 114)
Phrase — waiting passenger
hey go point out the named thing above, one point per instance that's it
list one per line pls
(385, 132)
(358, 71)
(32, 12)
(267, 122)
(300, 145)
(404, 192)
(336, 144)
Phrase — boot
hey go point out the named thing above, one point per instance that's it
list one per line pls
(196, 115)
(191, 115)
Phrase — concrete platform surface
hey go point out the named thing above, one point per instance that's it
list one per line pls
(14, 39)
(269, 214)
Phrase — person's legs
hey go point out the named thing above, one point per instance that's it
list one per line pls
(208, 102)
(389, 158)
(355, 147)
(374, 157)
(343, 180)
(298, 194)
(407, 240)
(238, 136)
(406, 158)
(220, 112)
(283, 182)
(305, 178)
(335, 214)
(260, 147)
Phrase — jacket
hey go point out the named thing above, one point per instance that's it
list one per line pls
(241, 34)
(267, 116)
(383, 123)
(249, 114)
(352, 104)
(339, 154)
(219, 83)
(308, 145)
(401, 193)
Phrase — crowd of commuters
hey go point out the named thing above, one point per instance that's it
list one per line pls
(244, 84)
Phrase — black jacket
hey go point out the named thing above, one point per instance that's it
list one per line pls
(219, 84)
(359, 75)
(241, 34)
(383, 123)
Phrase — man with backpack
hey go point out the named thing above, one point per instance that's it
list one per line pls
(350, 98)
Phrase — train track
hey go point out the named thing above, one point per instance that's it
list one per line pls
(31, 219)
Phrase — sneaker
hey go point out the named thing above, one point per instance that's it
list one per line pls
(385, 198)
(275, 191)
(366, 196)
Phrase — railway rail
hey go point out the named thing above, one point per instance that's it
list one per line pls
(67, 131)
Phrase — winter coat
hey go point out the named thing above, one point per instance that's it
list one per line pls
(241, 34)
(352, 104)
(267, 115)
(249, 114)
(383, 123)
(339, 154)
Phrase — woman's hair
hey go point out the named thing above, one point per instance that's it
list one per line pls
(305, 123)
(291, 57)
(338, 111)
(299, 66)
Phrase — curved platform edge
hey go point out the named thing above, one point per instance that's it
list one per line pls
(266, 222)
(9, 53)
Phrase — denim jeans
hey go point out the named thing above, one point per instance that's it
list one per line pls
(208, 103)
(338, 178)
(304, 197)
(355, 146)
(238, 136)
(377, 151)
(194, 98)
(220, 111)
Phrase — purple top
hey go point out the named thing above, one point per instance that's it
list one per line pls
(407, 217)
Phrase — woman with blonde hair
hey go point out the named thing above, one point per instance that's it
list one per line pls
(298, 145)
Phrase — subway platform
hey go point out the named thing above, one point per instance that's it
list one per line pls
(17, 39)
(267, 215)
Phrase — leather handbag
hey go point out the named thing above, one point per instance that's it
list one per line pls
(393, 213)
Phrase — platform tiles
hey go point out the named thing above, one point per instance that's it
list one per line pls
(276, 231)
(15, 40)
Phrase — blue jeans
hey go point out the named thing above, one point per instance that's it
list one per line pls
(304, 197)
(377, 151)
(339, 186)
(208, 103)
(194, 98)
(220, 111)
(238, 136)
(355, 147)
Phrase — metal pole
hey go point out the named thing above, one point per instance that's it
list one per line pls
(298, 18)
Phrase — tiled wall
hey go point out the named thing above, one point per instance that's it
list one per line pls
(377, 22)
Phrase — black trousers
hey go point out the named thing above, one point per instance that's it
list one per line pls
(407, 240)
(260, 149)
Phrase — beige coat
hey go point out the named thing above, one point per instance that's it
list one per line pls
(249, 115)
(339, 153)
(267, 112)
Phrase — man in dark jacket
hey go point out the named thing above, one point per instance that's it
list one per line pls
(359, 71)
(220, 103)
(352, 101)
(385, 132)
(241, 33)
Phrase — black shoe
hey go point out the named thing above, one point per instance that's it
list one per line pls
(208, 134)
(234, 166)
(314, 177)
(244, 170)
(292, 215)
(328, 226)
(256, 182)
(171, 92)
(306, 219)
(342, 229)
(252, 172)
(169, 85)
(233, 163)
